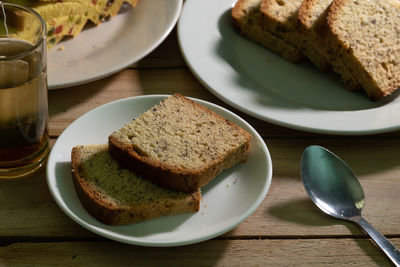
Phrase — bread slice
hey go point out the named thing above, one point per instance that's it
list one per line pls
(179, 144)
(366, 36)
(246, 19)
(115, 195)
(281, 18)
(67, 18)
(311, 14)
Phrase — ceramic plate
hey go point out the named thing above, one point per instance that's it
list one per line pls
(262, 84)
(113, 45)
(228, 200)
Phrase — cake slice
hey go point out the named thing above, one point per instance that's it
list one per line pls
(365, 35)
(311, 14)
(103, 9)
(62, 18)
(179, 144)
(281, 18)
(68, 17)
(246, 19)
(115, 195)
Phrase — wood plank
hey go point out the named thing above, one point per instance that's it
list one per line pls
(166, 55)
(300, 252)
(286, 211)
(29, 210)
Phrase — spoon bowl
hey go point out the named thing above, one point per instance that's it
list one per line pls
(334, 188)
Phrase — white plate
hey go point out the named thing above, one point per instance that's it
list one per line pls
(262, 84)
(228, 200)
(100, 51)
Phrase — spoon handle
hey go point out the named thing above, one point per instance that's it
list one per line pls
(390, 250)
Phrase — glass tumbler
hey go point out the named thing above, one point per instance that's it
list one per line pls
(24, 139)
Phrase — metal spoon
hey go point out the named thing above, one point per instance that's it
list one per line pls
(334, 188)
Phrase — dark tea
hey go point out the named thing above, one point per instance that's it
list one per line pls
(23, 107)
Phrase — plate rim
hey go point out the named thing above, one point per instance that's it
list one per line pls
(124, 65)
(325, 129)
(141, 241)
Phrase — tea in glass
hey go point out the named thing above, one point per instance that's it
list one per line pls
(24, 139)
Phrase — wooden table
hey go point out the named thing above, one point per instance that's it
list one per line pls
(286, 229)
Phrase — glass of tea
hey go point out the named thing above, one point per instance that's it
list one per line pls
(24, 139)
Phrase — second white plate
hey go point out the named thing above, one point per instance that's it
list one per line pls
(260, 83)
(113, 45)
(227, 201)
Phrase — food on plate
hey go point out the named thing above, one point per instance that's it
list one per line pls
(115, 195)
(246, 14)
(179, 144)
(280, 18)
(366, 36)
(310, 13)
(155, 165)
(68, 17)
(359, 40)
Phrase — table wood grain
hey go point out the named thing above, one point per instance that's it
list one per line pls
(285, 230)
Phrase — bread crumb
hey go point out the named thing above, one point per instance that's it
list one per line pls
(205, 205)
(203, 212)
(61, 48)
(228, 185)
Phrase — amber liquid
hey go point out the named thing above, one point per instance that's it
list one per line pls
(23, 111)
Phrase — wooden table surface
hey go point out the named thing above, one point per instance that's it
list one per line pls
(286, 229)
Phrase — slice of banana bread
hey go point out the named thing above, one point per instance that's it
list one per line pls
(311, 14)
(179, 144)
(365, 34)
(281, 18)
(116, 196)
(246, 19)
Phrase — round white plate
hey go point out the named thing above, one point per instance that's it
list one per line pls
(100, 51)
(264, 85)
(228, 200)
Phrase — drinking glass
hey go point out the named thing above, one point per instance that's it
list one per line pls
(24, 139)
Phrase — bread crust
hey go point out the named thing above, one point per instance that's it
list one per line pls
(304, 15)
(112, 212)
(316, 31)
(282, 20)
(245, 15)
(173, 177)
(346, 49)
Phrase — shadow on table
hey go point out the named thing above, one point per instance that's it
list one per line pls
(118, 254)
(365, 155)
(304, 212)
(76, 95)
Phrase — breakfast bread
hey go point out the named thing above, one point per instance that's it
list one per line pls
(366, 36)
(60, 27)
(62, 18)
(246, 19)
(115, 195)
(102, 8)
(311, 14)
(111, 8)
(281, 18)
(68, 17)
(179, 144)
